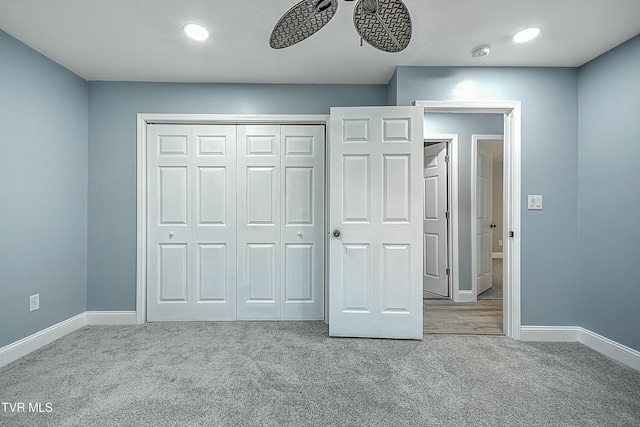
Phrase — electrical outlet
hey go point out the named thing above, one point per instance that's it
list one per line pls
(499, 242)
(34, 302)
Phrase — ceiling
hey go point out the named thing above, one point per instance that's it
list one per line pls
(142, 40)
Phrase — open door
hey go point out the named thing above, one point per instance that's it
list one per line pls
(375, 214)
(484, 197)
(435, 277)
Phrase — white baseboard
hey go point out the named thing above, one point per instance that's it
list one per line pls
(464, 296)
(26, 345)
(550, 333)
(497, 254)
(610, 348)
(35, 341)
(599, 343)
(111, 318)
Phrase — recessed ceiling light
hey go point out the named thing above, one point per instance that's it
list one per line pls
(526, 35)
(196, 32)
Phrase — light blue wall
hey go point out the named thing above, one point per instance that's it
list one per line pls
(43, 191)
(609, 162)
(112, 158)
(392, 89)
(464, 125)
(550, 248)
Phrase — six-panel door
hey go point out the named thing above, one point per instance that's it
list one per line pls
(235, 219)
(376, 198)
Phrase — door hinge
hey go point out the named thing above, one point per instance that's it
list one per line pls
(511, 234)
(446, 158)
(448, 271)
(446, 215)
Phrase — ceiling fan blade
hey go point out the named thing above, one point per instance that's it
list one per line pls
(384, 24)
(301, 21)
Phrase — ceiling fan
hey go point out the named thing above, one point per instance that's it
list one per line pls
(384, 24)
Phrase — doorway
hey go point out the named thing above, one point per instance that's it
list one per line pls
(488, 210)
(511, 113)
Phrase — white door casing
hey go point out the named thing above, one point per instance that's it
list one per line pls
(435, 229)
(483, 202)
(375, 196)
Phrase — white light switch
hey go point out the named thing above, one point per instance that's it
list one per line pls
(535, 202)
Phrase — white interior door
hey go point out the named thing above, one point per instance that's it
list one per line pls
(484, 186)
(376, 192)
(302, 222)
(235, 222)
(214, 222)
(435, 278)
(191, 223)
(169, 223)
(259, 240)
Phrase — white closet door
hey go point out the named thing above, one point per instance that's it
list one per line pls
(214, 222)
(168, 223)
(191, 222)
(302, 149)
(259, 210)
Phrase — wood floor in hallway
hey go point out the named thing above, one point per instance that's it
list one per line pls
(483, 317)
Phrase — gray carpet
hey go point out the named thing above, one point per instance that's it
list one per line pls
(495, 291)
(292, 374)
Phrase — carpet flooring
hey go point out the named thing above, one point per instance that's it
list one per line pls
(293, 374)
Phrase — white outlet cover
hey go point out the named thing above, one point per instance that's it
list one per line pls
(34, 302)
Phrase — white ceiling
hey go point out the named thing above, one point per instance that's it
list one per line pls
(142, 40)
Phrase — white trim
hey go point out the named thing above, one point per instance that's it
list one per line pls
(452, 139)
(111, 318)
(143, 120)
(596, 342)
(35, 341)
(512, 111)
(474, 191)
(610, 348)
(465, 296)
(497, 255)
(550, 333)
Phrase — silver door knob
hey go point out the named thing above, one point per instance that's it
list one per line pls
(336, 233)
(171, 234)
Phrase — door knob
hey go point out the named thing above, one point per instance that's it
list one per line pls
(336, 233)
(493, 226)
(171, 234)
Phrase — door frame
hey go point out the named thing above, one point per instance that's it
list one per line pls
(474, 166)
(512, 112)
(144, 119)
(452, 194)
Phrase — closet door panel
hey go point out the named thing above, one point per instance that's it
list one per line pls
(302, 222)
(214, 222)
(258, 222)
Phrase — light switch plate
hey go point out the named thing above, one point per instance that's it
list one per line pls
(534, 202)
